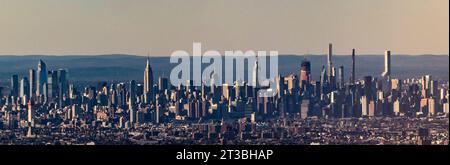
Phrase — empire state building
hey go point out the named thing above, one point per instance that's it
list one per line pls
(148, 80)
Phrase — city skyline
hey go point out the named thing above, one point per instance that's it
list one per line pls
(371, 110)
(211, 81)
(233, 93)
(161, 27)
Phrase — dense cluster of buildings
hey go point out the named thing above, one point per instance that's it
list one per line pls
(46, 108)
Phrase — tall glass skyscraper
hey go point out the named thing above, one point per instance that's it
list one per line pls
(42, 77)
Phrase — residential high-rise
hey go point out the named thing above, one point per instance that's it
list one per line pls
(132, 112)
(332, 83)
(32, 80)
(41, 77)
(387, 64)
(387, 71)
(353, 78)
(62, 86)
(330, 62)
(132, 92)
(24, 87)
(157, 110)
(14, 85)
(341, 77)
(255, 72)
(323, 80)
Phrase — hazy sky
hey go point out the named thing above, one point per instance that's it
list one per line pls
(163, 26)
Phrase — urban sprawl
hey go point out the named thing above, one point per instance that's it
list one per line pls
(46, 108)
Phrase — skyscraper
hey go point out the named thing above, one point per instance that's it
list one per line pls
(364, 105)
(132, 112)
(41, 77)
(323, 80)
(353, 78)
(330, 62)
(255, 82)
(62, 82)
(14, 85)
(226, 91)
(132, 92)
(387, 71)
(52, 85)
(292, 83)
(30, 112)
(305, 73)
(163, 83)
(62, 86)
(157, 109)
(368, 87)
(32, 80)
(24, 87)
(148, 80)
(387, 64)
(341, 77)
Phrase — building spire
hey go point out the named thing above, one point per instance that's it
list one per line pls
(148, 59)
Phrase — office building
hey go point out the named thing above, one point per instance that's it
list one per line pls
(41, 77)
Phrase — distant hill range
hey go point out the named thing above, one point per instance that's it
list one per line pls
(94, 68)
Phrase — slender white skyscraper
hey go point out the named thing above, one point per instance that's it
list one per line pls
(329, 61)
(255, 73)
(132, 112)
(24, 87)
(32, 81)
(387, 64)
(386, 75)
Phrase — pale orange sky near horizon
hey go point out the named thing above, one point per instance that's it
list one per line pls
(55, 27)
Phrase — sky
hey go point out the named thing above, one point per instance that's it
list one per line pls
(160, 27)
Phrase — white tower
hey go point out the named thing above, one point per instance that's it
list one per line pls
(387, 64)
(329, 62)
